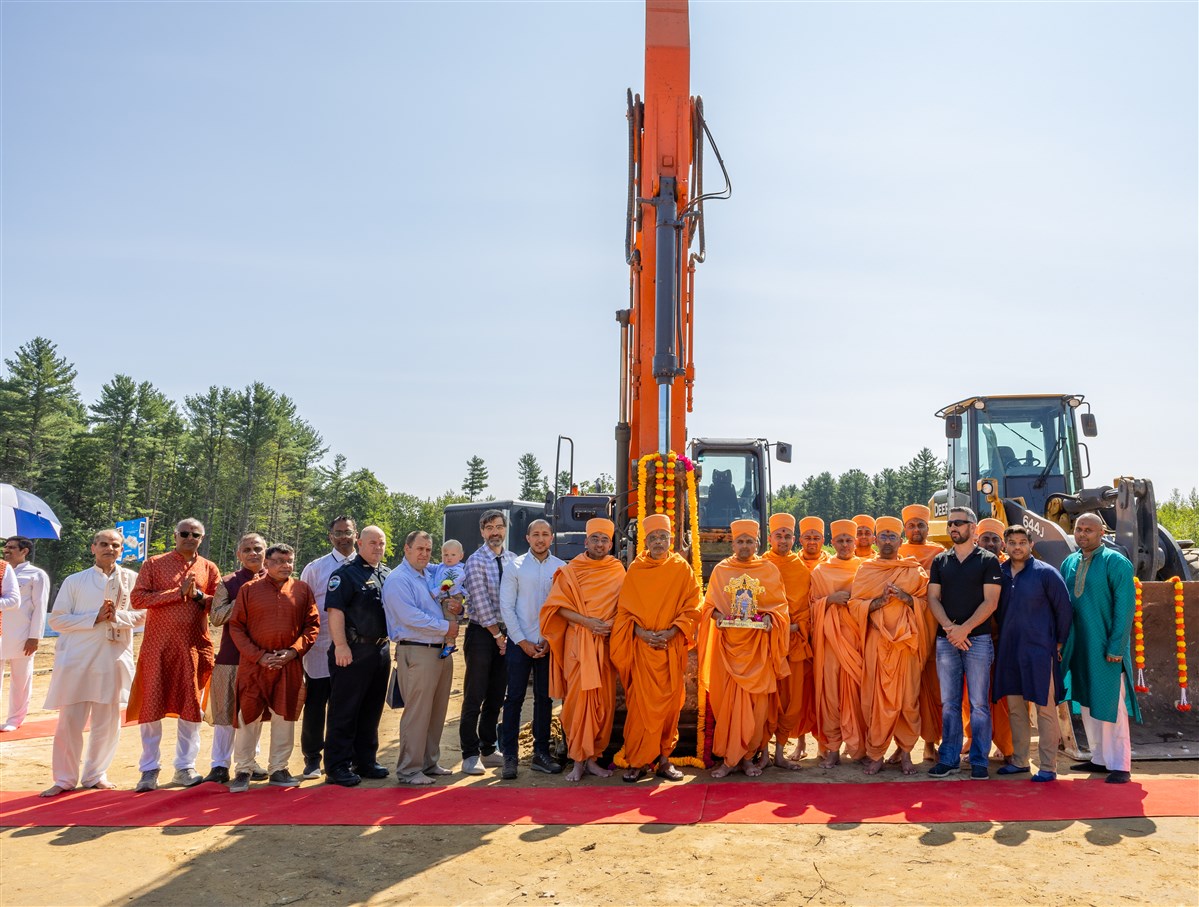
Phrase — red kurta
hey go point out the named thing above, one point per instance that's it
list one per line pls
(269, 616)
(176, 656)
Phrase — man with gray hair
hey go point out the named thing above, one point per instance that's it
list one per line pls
(93, 666)
(483, 647)
(1097, 655)
(175, 663)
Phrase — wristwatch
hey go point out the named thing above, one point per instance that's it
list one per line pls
(197, 596)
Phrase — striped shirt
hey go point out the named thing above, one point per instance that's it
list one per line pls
(482, 584)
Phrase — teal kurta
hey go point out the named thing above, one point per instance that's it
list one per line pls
(1102, 626)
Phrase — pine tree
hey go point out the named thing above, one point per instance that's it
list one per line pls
(476, 477)
(42, 411)
(532, 479)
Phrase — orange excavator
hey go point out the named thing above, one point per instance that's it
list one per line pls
(664, 242)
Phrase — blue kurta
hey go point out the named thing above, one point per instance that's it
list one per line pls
(1034, 620)
(1102, 626)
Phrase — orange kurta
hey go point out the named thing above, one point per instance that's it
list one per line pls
(839, 638)
(813, 562)
(581, 672)
(795, 712)
(740, 668)
(176, 657)
(269, 616)
(656, 595)
(930, 683)
(896, 648)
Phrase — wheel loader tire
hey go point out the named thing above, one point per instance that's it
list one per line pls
(1191, 555)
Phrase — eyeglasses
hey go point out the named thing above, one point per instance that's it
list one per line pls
(957, 522)
(189, 535)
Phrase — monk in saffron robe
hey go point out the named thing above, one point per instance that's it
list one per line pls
(895, 590)
(811, 542)
(990, 536)
(915, 530)
(740, 667)
(576, 620)
(865, 547)
(794, 714)
(839, 638)
(655, 622)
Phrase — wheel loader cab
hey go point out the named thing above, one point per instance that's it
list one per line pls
(1028, 445)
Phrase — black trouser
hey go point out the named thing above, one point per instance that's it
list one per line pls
(356, 694)
(482, 692)
(312, 722)
(520, 666)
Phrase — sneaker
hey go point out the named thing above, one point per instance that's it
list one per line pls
(1012, 770)
(1044, 776)
(312, 769)
(342, 777)
(543, 762)
(149, 781)
(8, 727)
(219, 774)
(941, 771)
(470, 766)
(259, 774)
(240, 783)
(508, 772)
(1118, 777)
(283, 778)
(980, 773)
(493, 759)
(187, 777)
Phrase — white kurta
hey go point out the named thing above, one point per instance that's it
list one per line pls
(316, 575)
(10, 595)
(93, 662)
(27, 620)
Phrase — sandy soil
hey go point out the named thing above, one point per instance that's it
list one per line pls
(1124, 861)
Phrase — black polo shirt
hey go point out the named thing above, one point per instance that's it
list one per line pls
(356, 589)
(962, 584)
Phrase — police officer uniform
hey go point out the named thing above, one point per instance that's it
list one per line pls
(357, 691)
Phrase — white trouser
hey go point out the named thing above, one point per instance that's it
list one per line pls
(101, 743)
(187, 744)
(1111, 746)
(20, 687)
(245, 744)
(222, 745)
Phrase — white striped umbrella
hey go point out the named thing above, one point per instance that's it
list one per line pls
(22, 513)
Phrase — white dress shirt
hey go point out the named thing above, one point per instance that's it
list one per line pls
(523, 590)
(93, 662)
(27, 620)
(10, 594)
(316, 575)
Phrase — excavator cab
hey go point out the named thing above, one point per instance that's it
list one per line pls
(1020, 460)
(732, 483)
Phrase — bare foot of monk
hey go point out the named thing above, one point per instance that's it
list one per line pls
(800, 752)
(873, 767)
(576, 771)
(905, 764)
(829, 759)
(594, 768)
(53, 791)
(102, 785)
(751, 768)
(893, 759)
(722, 771)
(930, 751)
(783, 762)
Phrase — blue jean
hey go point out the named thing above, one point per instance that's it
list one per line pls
(520, 666)
(975, 664)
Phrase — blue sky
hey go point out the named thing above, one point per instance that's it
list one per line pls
(416, 210)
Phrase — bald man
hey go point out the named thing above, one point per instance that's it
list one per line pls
(865, 547)
(811, 541)
(795, 712)
(744, 642)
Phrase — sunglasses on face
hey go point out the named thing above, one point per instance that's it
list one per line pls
(957, 522)
(190, 535)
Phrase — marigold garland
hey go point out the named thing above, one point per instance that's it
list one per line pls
(1138, 629)
(1181, 646)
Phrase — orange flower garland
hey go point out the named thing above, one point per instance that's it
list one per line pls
(1181, 646)
(1138, 630)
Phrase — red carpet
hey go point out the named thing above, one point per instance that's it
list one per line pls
(922, 802)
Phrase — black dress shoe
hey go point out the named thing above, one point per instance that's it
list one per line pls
(373, 772)
(219, 774)
(1118, 777)
(1088, 766)
(543, 762)
(342, 776)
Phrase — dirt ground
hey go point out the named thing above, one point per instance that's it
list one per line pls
(1121, 861)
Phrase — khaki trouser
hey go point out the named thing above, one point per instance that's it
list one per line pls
(1048, 731)
(245, 744)
(425, 685)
